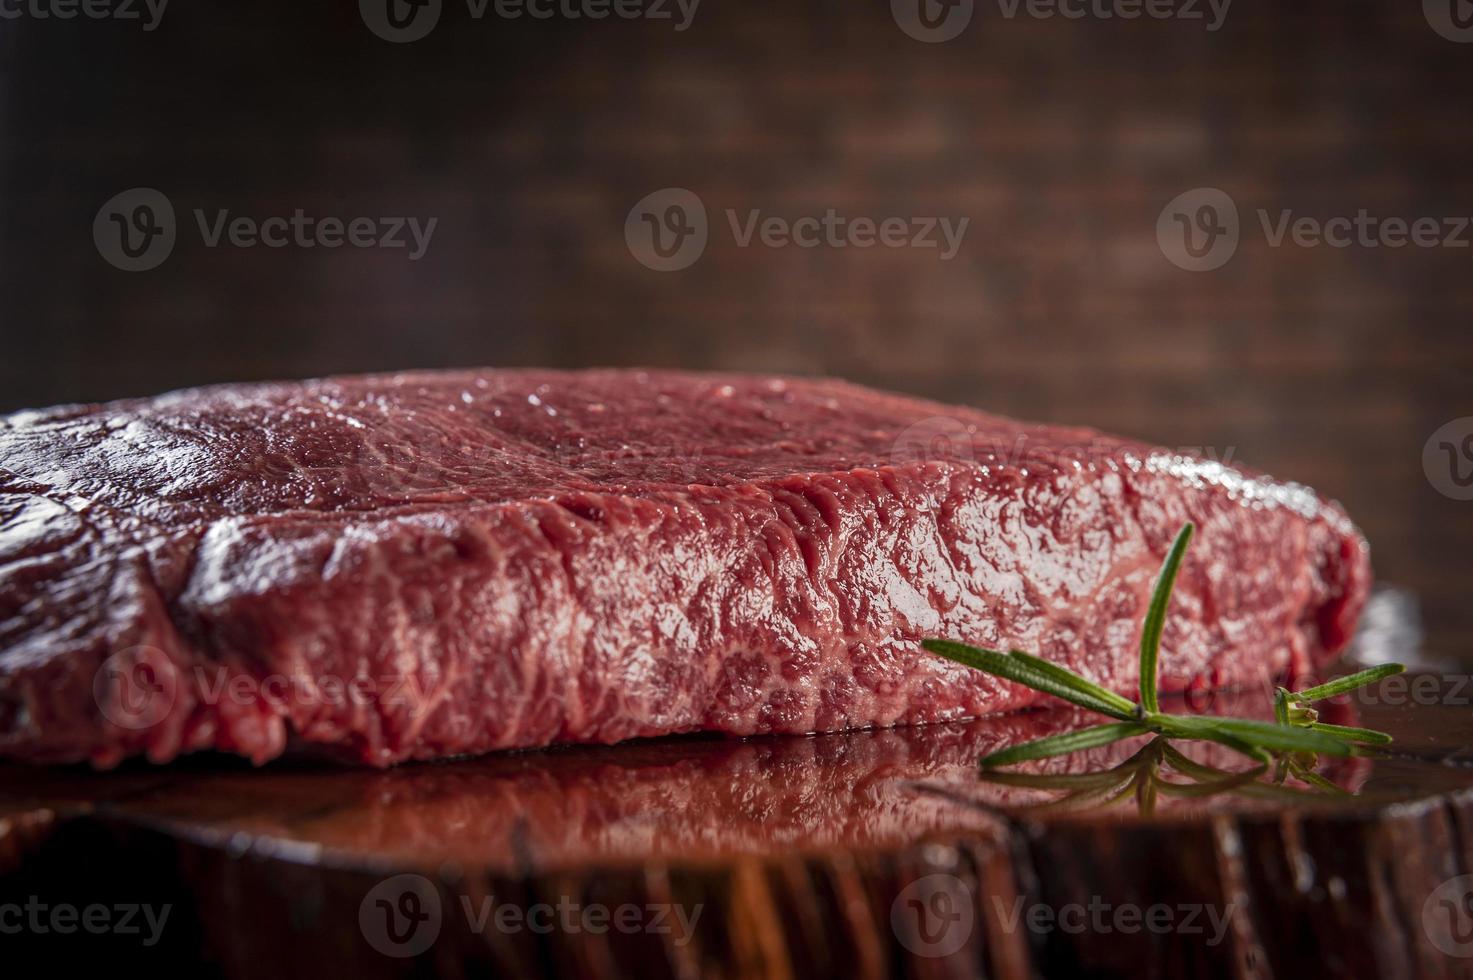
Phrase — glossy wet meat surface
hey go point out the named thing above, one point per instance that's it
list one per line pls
(426, 565)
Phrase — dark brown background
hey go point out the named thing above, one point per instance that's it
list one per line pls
(1061, 140)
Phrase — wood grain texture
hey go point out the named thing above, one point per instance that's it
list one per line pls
(868, 854)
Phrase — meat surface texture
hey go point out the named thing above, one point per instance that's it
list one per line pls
(423, 565)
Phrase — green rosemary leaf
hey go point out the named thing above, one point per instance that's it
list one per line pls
(1347, 683)
(1271, 791)
(1066, 676)
(1099, 797)
(1190, 767)
(1292, 742)
(1255, 752)
(1205, 773)
(1009, 668)
(1314, 779)
(1211, 787)
(1043, 748)
(1367, 735)
(1205, 729)
(1053, 780)
(1119, 794)
(1145, 794)
(1276, 738)
(1156, 617)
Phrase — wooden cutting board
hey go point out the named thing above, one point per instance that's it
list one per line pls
(862, 854)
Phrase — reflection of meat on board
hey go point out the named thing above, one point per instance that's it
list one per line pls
(797, 850)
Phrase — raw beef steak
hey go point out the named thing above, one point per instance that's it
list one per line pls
(421, 565)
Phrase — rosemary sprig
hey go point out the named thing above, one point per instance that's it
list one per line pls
(1365, 735)
(1156, 616)
(1296, 731)
(1061, 683)
(1085, 738)
(1143, 776)
(1343, 685)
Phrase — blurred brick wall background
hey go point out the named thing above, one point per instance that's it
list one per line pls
(1061, 140)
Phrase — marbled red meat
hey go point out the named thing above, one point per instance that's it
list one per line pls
(432, 564)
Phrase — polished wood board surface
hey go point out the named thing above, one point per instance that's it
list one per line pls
(860, 854)
(864, 853)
